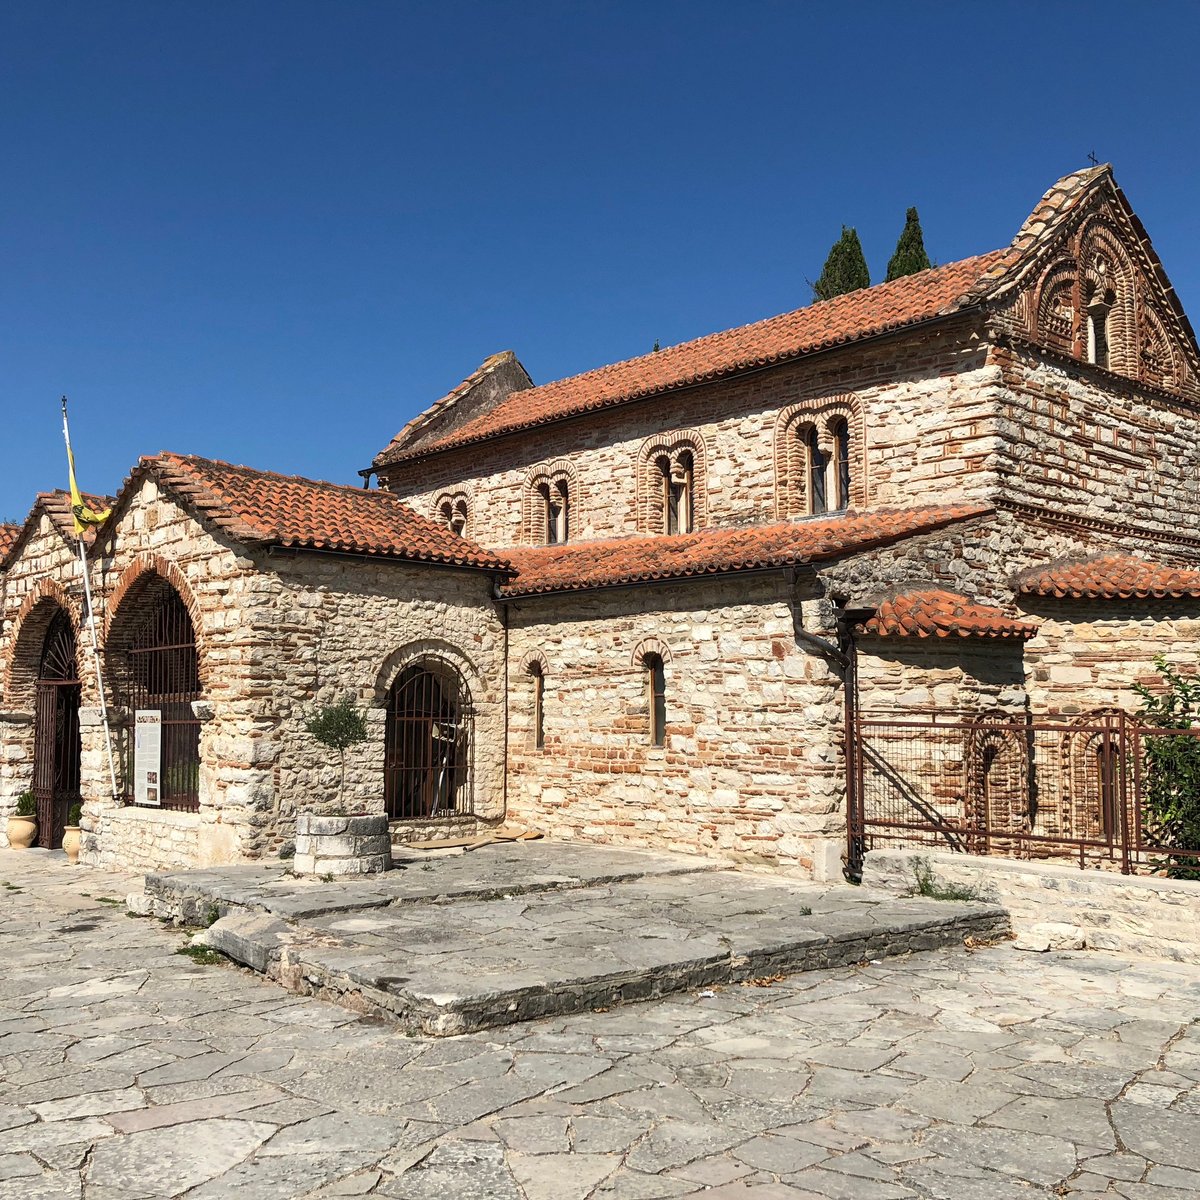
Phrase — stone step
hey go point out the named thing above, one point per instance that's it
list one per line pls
(472, 964)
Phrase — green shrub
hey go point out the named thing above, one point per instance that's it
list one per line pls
(1171, 797)
(338, 726)
(26, 804)
(74, 813)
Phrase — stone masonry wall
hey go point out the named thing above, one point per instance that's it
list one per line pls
(1079, 441)
(1134, 915)
(751, 767)
(344, 627)
(1088, 654)
(276, 637)
(45, 576)
(927, 405)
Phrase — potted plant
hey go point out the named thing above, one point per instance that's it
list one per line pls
(70, 842)
(22, 825)
(338, 727)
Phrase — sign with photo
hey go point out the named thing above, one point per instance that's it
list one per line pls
(147, 756)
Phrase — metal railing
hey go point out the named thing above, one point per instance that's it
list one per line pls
(1086, 788)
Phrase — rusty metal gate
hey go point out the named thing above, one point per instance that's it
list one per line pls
(428, 742)
(1056, 787)
(164, 674)
(56, 748)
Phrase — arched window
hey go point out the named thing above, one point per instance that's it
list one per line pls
(840, 431)
(537, 679)
(670, 483)
(556, 507)
(427, 744)
(656, 698)
(454, 512)
(1098, 333)
(818, 466)
(820, 457)
(678, 483)
(161, 673)
(56, 747)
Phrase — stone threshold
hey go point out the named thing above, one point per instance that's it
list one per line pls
(513, 932)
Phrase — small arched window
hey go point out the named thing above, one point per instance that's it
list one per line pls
(1098, 333)
(556, 509)
(818, 499)
(840, 430)
(537, 679)
(656, 696)
(454, 513)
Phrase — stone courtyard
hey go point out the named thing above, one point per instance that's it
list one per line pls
(129, 1071)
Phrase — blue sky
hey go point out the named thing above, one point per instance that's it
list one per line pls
(272, 232)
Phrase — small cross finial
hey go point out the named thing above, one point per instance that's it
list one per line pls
(1093, 159)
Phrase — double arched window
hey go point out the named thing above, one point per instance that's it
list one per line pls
(453, 510)
(670, 483)
(550, 504)
(820, 465)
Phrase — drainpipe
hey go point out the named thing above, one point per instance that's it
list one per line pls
(502, 610)
(848, 619)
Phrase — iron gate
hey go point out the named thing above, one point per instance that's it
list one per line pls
(56, 748)
(428, 742)
(164, 674)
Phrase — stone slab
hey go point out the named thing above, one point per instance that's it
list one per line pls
(499, 936)
(504, 868)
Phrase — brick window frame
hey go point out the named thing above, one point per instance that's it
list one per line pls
(670, 458)
(453, 510)
(795, 428)
(544, 484)
(535, 669)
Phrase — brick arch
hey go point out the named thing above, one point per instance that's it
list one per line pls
(29, 627)
(129, 587)
(534, 658)
(650, 645)
(670, 445)
(1100, 241)
(532, 509)
(791, 451)
(432, 650)
(453, 499)
(1056, 309)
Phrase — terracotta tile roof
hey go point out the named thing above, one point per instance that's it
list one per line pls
(263, 508)
(1110, 577)
(57, 506)
(843, 319)
(8, 538)
(613, 562)
(938, 614)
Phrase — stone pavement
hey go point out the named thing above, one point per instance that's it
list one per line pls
(532, 929)
(130, 1072)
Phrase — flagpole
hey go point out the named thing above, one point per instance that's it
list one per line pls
(87, 592)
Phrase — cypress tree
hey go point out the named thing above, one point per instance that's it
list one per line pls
(910, 256)
(845, 269)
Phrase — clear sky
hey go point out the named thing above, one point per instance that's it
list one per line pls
(271, 232)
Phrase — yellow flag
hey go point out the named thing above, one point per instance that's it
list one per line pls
(83, 515)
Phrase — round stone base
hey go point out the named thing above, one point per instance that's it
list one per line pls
(359, 845)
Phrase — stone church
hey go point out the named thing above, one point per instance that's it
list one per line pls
(647, 604)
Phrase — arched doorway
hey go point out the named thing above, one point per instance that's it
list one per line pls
(56, 746)
(160, 671)
(428, 744)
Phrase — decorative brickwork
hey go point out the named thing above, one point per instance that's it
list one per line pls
(674, 459)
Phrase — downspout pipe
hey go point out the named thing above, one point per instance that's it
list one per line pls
(848, 620)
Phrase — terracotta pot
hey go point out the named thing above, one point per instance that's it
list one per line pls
(21, 832)
(71, 843)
